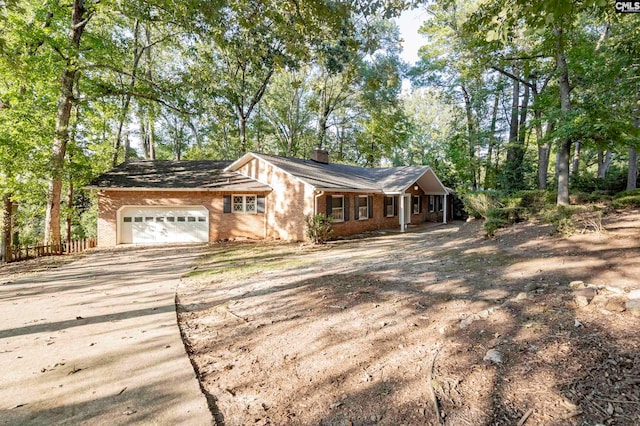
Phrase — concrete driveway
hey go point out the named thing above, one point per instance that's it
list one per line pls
(96, 342)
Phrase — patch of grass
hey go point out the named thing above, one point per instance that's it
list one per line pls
(457, 261)
(245, 269)
(626, 199)
(242, 261)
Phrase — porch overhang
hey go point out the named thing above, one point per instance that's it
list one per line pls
(429, 183)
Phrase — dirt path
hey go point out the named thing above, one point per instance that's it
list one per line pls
(347, 333)
(95, 341)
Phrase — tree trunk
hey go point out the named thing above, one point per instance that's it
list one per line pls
(127, 147)
(470, 135)
(520, 148)
(510, 180)
(137, 54)
(564, 150)
(513, 123)
(79, 19)
(632, 176)
(194, 131)
(144, 137)
(544, 149)
(152, 138)
(117, 143)
(242, 128)
(575, 165)
(322, 125)
(544, 152)
(151, 112)
(604, 161)
(70, 213)
(489, 175)
(5, 237)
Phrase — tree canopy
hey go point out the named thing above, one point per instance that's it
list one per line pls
(506, 95)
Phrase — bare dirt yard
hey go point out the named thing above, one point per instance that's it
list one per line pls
(379, 329)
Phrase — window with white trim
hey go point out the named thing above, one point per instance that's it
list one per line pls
(337, 208)
(432, 200)
(389, 206)
(363, 207)
(416, 204)
(440, 203)
(244, 204)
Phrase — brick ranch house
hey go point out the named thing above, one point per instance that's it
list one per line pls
(260, 196)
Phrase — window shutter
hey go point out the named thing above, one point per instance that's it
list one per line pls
(370, 202)
(395, 206)
(420, 198)
(329, 206)
(356, 208)
(346, 214)
(260, 205)
(227, 204)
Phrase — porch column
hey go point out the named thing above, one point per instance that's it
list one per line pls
(444, 210)
(401, 212)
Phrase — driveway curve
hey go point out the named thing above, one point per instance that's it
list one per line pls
(96, 342)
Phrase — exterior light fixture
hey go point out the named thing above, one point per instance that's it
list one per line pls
(415, 187)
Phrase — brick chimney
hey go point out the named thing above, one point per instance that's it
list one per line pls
(320, 155)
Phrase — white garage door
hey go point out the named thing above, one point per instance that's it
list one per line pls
(140, 225)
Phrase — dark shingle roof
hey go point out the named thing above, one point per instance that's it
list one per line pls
(180, 175)
(342, 176)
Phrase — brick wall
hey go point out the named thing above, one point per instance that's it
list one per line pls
(221, 225)
(354, 226)
(379, 220)
(436, 216)
(288, 203)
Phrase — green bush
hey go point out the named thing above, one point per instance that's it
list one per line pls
(318, 228)
(491, 225)
(599, 196)
(477, 204)
(565, 227)
(563, 218)
(626, 199)
(534, 200)
(614, 181)
(508, 214)
(623, 194)
(502, 217)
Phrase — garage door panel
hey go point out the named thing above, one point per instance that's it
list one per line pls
(143, 225)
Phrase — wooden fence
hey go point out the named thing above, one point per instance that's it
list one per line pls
(29, 252)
